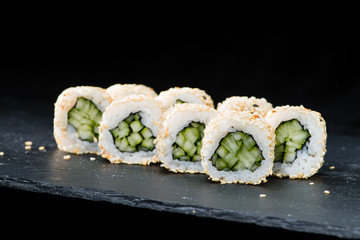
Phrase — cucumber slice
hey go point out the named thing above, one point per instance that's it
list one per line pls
(246, 157)
(137, 116)
(230, 144)
(189, 148)
(257, 154)
(96, 130)
(75, 123)
(196, 158)
(148, 144)
(180, 139)
(85, 133)
(134, 139)
(249, 143)
(184, 158)
(214, 157)
(130, 118)
(81, 103)
(146, 133)
(85, 113)
(178, 152)
(222, 151)
(87, 121)
(136, 126)
(293, 144)
(192, 134)
(75, 114)
(124, 146)
(178, 101)
(300, 136)
(220, 164)
(123, 125)
(239, 165)
(290, 137)
(189, 140)
(290, 149)
(289, 157)
(124, 132)
(198, 146)
(236, 135)
(195, 124)
(238, 151)
(230, 160)
(131, 135)
(279, 153)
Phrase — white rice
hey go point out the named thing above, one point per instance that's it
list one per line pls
(173, 121)
(309, 159)
(252, 104)
(189, 95)
(65, 134)
(150, 112)
(231, 121)
(118, 91)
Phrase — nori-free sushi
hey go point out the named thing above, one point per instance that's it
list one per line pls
(128, 130)
(78, 111)
(238, 147)
(179, 141)
(300, 141)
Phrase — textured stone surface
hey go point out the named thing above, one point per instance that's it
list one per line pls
(289, 204)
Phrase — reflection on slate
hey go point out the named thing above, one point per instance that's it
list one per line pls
(289, 204)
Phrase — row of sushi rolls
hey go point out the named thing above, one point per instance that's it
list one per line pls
(242, 140)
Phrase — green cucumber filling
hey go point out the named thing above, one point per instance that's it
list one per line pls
(187, 145)
(131, 135)
(291, 136)
(85, 118)
(237, 151)
(178, 101)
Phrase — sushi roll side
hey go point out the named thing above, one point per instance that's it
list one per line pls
(178, 95)
(77, 113)
(238, 147)
(118, 91)
(128, 130)
(252, 104)
(180, 137)
(300, 141)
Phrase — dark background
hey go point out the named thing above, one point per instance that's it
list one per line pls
(305, 55)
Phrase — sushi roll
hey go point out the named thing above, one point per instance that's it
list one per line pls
(128, 129)
(181, 132)
(78, 111)
(300, 141)
(238, 148)
(176, 95)
(118, 91)
(252, 104)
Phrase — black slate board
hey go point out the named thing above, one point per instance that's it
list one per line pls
(289, 204)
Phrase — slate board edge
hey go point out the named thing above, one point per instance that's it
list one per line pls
(195, 210)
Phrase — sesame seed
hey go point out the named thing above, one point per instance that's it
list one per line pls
(332, 167)
(28, 143)
(311, 183)
(262, 195)
(92, 159)
(41, 148)
(326, 191)
(2, 153)
(28, 147)
(67, 157)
